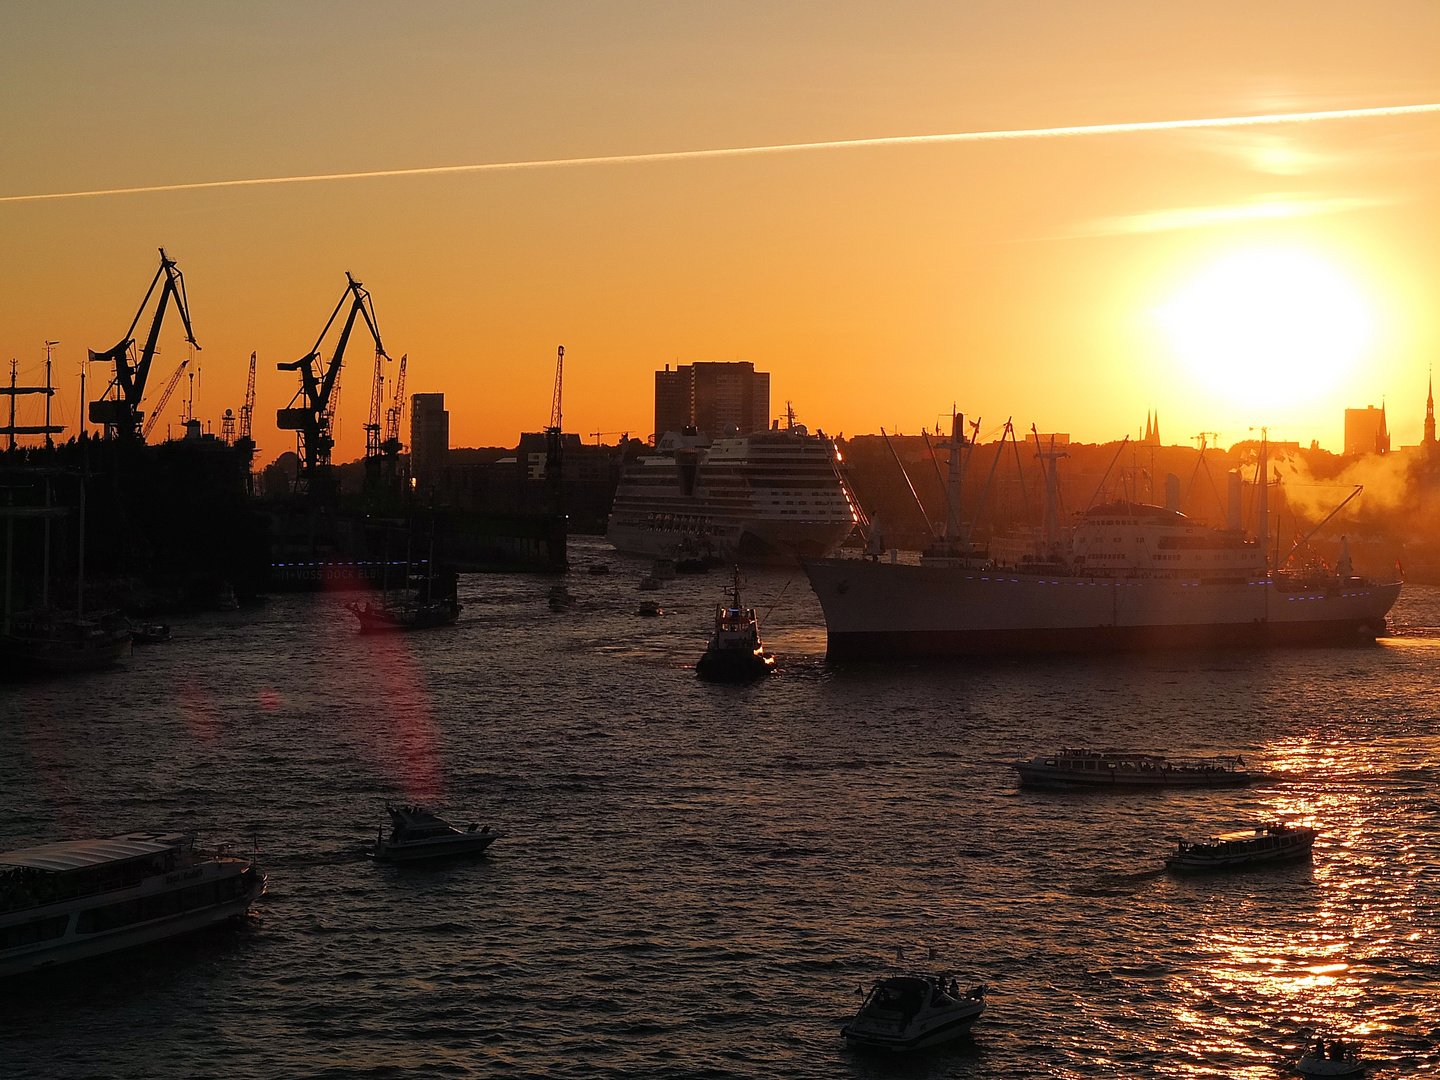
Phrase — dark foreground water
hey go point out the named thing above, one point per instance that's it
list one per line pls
(695, 879)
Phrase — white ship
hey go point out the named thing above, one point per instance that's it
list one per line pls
(70, 901)
(773, 496)
(1127, 576)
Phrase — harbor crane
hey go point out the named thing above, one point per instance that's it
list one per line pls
(396, 413)
(311, 410)
(164, 398)
(554, 442)
(247, 411)
(121, 412)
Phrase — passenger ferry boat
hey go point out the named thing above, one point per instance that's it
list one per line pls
(772, 496)
(79, 899)
(1128, 768)
(1264, 845)
(912, 1012)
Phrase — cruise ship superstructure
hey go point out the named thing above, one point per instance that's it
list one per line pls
(773, 496)
(1125, 576)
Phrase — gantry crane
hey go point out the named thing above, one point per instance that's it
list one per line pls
(311, 410)
(121, 413)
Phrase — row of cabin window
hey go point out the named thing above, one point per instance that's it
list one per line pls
(12, 937)
(161, 905)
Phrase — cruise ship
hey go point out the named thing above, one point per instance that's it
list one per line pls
(71, 901)
(1128, 576)
(770, 497)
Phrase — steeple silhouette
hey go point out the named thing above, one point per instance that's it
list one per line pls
(1430, 412)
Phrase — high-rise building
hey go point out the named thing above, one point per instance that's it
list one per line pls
(429, 433)
(1365, 431)
(720, 399)
(673, 402)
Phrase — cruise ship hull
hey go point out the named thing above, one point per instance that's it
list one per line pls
(884, 610)
(746, 541)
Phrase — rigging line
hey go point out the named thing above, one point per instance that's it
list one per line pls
(772, 148)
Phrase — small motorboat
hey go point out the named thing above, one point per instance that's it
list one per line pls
(1337, 1059)
(1265, 845)
(912, 1012)
(148, 633)
(560, 598)
(649, 609)
(735, 652)
(416, 833)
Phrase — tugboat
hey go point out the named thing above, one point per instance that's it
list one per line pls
(1129, 768)
(416, 833)
(1265, 845)
(1338, 1059)
(912, 1012)
(735, 653)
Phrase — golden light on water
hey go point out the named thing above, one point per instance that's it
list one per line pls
(1269, 326)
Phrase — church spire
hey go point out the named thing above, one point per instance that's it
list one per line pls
(1430, 411)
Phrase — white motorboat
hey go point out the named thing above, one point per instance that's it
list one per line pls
(1338, 1059)
(913, 1012)
(416, 833)
(76, 900)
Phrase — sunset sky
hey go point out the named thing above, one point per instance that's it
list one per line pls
(1228, 277)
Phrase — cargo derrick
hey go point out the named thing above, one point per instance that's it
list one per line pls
(121, 413)
(311, 409)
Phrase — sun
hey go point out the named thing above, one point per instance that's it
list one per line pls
(1269, 327)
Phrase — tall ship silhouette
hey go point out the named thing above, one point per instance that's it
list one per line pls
(1126, 576)
(772, 496)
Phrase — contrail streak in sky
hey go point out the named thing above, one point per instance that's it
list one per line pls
(749, 151)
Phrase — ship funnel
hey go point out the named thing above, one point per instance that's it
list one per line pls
(1172, 492)
(1237, 487)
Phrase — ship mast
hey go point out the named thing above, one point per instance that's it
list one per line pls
(1262, 514)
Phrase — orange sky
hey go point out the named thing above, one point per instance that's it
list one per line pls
(877, 285)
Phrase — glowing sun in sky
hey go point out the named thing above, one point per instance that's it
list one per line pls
(1269, 326)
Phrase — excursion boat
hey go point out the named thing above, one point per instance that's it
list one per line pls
(416, 833)
(1122, 768)
(912, 1012)
(389, 617)
(735, 652)
(41, 644)
(1265, 845)
(79, 899)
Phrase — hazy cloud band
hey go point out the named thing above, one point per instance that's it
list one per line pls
(781, 148)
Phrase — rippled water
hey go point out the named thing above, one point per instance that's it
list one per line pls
(695, 879)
